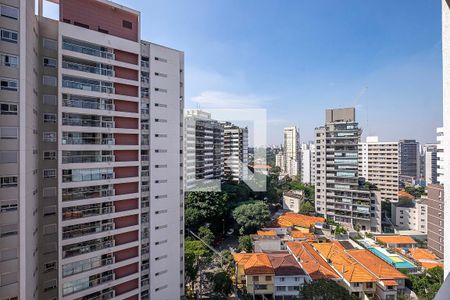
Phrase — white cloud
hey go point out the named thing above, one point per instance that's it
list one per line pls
(219, 99)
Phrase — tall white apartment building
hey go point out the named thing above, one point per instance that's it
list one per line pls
(446, 123)
(430, 153)
(292, 151)
(203, 148)
(340, 194)
(279, 160)
(306, 161)
(378, 163)
(235, 151)
(440, 155)
(91, 186)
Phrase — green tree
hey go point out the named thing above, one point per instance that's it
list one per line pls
(324, 290)
(194, 252)
(415, 191)
(206, 235)
(205, 207)
(251, 216)
(307, 208)
(221, 283)
(428, 284)
(245, 243)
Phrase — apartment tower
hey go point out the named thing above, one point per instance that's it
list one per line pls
(235, 152)
(92, 159)
(378, 163)
(435, 203)
(409, 158)
(340, 194)
(307, 152)
(440, 155)
(430, 153)
(204, 160)
(292, 151)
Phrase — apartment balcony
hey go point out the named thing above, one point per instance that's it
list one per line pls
(87, 247)
(74, 231)
(94, 69)
(90, 192)
(84, 211)
(101, 295)
(87, 265)
(87, 175)
(87, 283)
(87, 102)
(85, 48)
(74, 159)
(87, 120)
(87, 85)
(87, 139)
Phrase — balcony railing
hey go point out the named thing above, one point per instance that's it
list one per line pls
(86, 247)
(83, 213)
(87, 50)
(87, 68)
(87, 141)
(83, 285)
(87, 177)
(87, 104)
(86, 230)
(86, 265)
(87, 123)
(87, 86)
(100, 296)
(87, 195)
(87, 159)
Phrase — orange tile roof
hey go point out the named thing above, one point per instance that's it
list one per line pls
(297, 234)
(431, 265)
(389, 282)
(347, 266)
(405, 194)
(395, 239)
(254, 263)
(375, 265)
(266, 233)
(422, 254)
(311, 261)
(290, 219)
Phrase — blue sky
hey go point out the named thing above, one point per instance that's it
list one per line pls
(297, 58)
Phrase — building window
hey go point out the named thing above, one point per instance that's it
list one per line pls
(49, 118)
(50, 266)
(49, 80)
(49, 136)
(10, 36)
(8, 133)
(49, 173)
(50, 62)
(8, 84)
(9, 60)
(7, 206)
(127, 24)
(8, 157)
(8, 108)
(9, 12)
(49, 155)
(8, 181)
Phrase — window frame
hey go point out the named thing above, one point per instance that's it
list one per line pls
(10, 39)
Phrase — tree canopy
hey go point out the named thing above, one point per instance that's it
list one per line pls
(251, 216)
(245, 243)
(323, 290)
(428, 284)
(204, 207)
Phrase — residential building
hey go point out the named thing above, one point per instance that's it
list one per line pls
(291, 149)
(307, 151)
(396, 241)
(204, 152)
(235, 152)
(430, 153)
(424, 257)
(75, 191)
(293, 200)
(435, 201)
(446, 121)
(266, 240)
(313, 164)
(412, 216)
(254, 273)
(279, 161)
(378, 163)
(440, 155)
(297, 221)
(409, 158)
(289, 276)
(340, 194)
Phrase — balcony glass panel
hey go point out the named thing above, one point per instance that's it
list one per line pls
(94, 68)
(87, 84)
(86, 48)
(88, 246)
(87, 102)
(78, 230)
(89, 192)
(78, 175)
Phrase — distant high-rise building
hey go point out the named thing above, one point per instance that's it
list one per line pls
(378, 164)
(292, 151)
(430, 153)
(440, 155)
(435, 202)
(235, 151)
(91, 191)
(204, 160)
(409, 158)
(340, 194)
(279, 161)
(306, 162)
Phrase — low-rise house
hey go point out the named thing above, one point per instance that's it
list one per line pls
(298, 221)
(293, 200)
(254, 273)
(289, 276)
(424, 258)
(396, 241)
(262, 243)
(390, 281)
(313, 264)
(299, 236)
(358, 280)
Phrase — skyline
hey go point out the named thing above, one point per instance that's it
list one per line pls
(393, 49)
